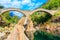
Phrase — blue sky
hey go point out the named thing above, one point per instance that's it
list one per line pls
(12, 13)
(23, 4)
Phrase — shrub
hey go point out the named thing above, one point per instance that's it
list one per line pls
(8, 19)
(40, 17)
(56, 14)
(52, 4)
(41, 35)
(1, 6)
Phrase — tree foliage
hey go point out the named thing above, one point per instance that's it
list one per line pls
(52, 4)
(41, 35)
(1, 6)
(8, 19)
(40, 17)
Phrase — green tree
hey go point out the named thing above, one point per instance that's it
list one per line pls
(40, 17)
(41, 35)
(8, 19)
(1, 6)
(52, 4)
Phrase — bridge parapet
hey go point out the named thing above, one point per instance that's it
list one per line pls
(25, 12)
(45, 10)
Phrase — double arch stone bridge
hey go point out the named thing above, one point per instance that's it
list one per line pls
(18, 32)
(25, 12)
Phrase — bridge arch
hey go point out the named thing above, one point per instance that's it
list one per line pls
(51, 12)
(42, 10)
(13, 9)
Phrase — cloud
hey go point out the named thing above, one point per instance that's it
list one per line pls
(3, 1)
(26, 1)
(22, 4)
(17, 13)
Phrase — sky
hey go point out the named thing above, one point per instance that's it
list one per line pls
(12, 13)
(23, 4)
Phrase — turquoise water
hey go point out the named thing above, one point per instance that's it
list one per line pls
(23, 4)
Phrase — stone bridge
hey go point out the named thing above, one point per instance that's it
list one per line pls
(18, 32)
(25, 12)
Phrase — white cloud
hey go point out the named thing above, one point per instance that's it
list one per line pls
(35, 5)
(4, 1)
(15, 4)
(17, 13)
(20, 4)
(26, 1)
